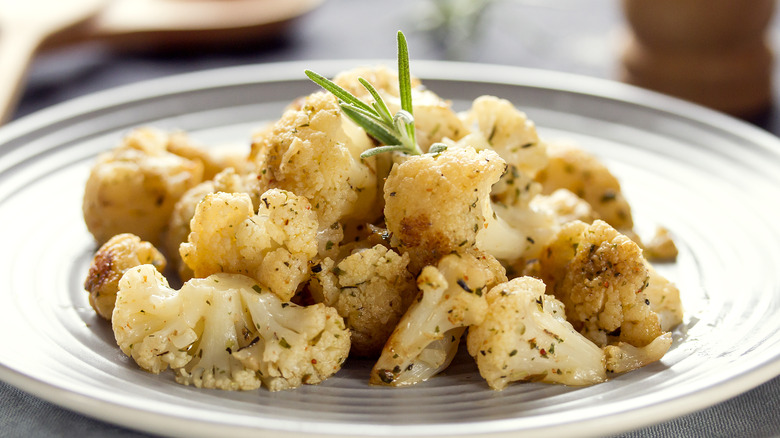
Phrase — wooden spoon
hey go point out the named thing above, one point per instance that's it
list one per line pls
(24, 24)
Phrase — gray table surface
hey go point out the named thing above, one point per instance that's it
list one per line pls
(577, 36)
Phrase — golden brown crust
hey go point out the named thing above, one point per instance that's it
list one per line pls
(121, 253)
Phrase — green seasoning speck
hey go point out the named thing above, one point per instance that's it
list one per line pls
(257, 288)
(283, 343)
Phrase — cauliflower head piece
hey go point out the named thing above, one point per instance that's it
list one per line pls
(600, 276)
(572, 167)
(435, 204)
(121, 253)
(273, 246)
(525, 336)
(371, 289)
(451, 298)
(134, 187)
(228, 181)
(225, 332)
(498, 125)
(314, 151)
(664, 297)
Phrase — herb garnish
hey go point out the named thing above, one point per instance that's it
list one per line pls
(395, 132)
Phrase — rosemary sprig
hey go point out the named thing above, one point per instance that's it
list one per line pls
(395, 132)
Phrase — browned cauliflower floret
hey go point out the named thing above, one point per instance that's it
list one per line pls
(214, 159)
(498, 125)
(435, 204)
(525, 336)
(579, 171)
(600, 275)
(273, 246)
(370, 289)
(227, 181)
(451, 299)
(225, 332)
(133, 188)
(112, 260)
(315, 152)
(661, 248)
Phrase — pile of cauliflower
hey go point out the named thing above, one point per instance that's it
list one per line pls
(294, 256)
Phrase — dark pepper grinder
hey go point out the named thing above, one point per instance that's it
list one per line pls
(712, 52)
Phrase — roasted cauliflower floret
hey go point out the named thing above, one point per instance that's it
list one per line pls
(664, 299)
(496, 124)
(451, 299)
(273, 246)
(623, 357)
(600, 275)
(435, 204)
(228, 181)
(525, 336)
(225, 332)
(315, 152)
(579, 171)
(661, 247)
(111, 261)
(565, 206)
(215, 159)
(133, 188)
(293, 344)
(370, 289)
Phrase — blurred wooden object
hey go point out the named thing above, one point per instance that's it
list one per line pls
(23, 26)
(164, 24)
(712, 52)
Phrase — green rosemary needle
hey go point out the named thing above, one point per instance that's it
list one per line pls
(394, 131)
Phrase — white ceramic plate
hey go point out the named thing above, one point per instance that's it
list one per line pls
(713, 181)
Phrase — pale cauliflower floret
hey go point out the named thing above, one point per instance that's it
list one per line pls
(133, 188)
(565, 206)
(435, 204)
(273, 246)
(225, 332)
(434, 119)
(498, 125)
(579, 171)
(293, 345)
(599, 275)
(664, 299)
(315, 152)
(516, 232)
(525, 336)
(624, 357)
(121, 253)
(370, 289)
(426, 339)
(154, 324)
(228, 181)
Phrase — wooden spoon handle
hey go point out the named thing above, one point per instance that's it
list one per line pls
(17, 47)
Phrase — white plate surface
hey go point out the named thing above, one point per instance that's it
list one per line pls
(713, 181)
